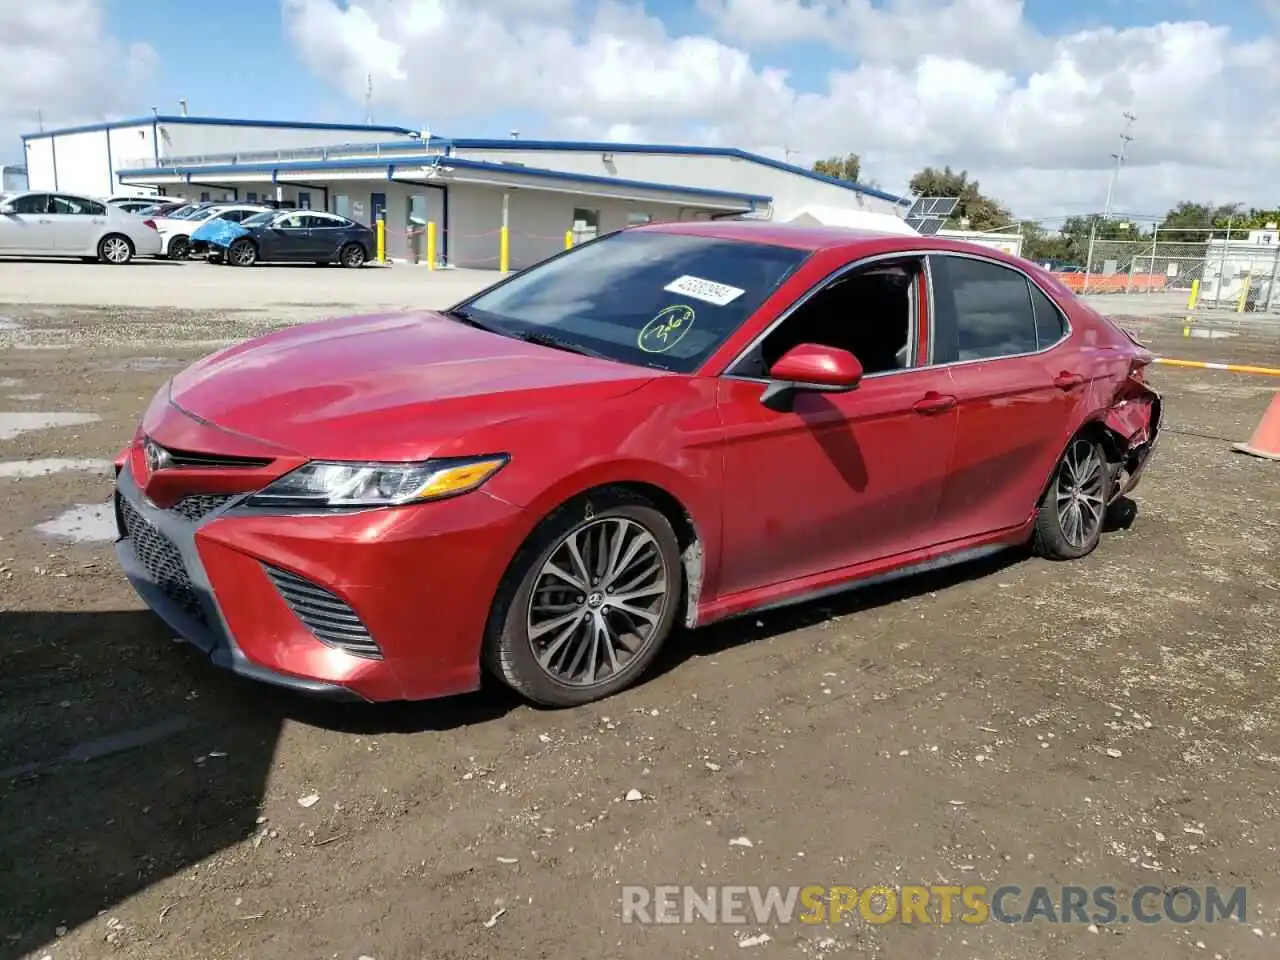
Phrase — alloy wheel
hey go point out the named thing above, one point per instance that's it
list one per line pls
(1081, 481)
(597, 601)
(116, 250)
(243, 254)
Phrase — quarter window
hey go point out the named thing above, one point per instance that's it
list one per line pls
(1049, 326)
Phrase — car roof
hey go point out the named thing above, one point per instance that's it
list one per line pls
(819, 238)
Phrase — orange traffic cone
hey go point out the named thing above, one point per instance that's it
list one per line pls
(1265, 441)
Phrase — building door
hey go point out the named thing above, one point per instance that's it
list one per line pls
(377, 207)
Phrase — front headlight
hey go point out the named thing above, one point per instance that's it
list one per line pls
(335, 484)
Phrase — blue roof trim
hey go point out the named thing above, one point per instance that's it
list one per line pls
(215, 122)
(589, 146)
(377, 163)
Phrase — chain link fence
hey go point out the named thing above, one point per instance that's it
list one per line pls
(1229, 271)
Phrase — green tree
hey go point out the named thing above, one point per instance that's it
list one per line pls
(982, 212)
(848, 167)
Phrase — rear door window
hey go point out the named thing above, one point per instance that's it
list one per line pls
(984, 310)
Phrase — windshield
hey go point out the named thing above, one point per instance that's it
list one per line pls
(258, 219)
(657, 299)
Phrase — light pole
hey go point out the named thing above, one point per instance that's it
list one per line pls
(1126, 138)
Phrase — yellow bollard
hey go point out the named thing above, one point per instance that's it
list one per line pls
(1195, 294)
(568, 239)
(382, 240)
(504, 249)
(431, 245)
(1244, 294)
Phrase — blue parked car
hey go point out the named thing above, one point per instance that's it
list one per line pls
(291, 236)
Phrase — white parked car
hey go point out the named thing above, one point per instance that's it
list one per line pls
(175, 232)
(34, 224)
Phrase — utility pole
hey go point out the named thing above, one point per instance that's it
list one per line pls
(787, 152)
(1126, 138)
(368, 99)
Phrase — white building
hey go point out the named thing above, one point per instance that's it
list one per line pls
(467, 189)
(1010, 243)
(1252, 259)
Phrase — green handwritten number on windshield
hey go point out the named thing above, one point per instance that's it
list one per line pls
(666, 329)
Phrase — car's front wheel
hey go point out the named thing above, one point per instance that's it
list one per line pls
(588, 602)
(179, 248)
(243, 253)
(1070, 520)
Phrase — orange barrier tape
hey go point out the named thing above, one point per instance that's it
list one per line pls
(1229, 367)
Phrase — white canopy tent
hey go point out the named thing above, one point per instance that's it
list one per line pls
(820, 215)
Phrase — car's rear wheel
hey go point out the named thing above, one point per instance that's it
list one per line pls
(588, 602)
(179, 248)
(115, 249)
(1069, 522)
(352, 255)
(243, 253)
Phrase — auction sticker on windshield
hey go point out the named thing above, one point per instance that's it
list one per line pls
(666, 329)
(707, 290)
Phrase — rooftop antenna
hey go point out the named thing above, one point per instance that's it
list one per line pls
(368, 99)
(787, 152)
(515, 134)
(40, 119)
(182, 107)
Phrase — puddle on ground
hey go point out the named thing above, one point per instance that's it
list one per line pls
(20, 469)
(25, 396)
(1199, 333)
(12, 424)
(83, 523)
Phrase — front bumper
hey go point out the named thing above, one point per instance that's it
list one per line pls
(420, 579)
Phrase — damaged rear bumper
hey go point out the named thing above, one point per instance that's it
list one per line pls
(1138, 420)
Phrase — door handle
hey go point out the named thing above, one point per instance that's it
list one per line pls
(46, 221)
(1067, 380)
(933, 402)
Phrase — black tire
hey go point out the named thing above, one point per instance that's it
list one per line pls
(179, 248)
(115, 249)
(508, 650)
(352, 255)
(242, 253)
(1057, 536)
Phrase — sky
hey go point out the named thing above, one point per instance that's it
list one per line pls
(1029, 96)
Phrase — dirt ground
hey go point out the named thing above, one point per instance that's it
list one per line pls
(1109, 721)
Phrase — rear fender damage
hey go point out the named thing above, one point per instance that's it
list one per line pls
(1132, 425)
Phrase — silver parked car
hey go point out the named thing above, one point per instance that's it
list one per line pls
(35, 224)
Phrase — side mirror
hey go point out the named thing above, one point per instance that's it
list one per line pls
(811, 367)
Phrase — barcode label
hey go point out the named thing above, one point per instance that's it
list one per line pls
(706, 290)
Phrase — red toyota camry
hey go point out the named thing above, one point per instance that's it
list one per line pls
(677, 422)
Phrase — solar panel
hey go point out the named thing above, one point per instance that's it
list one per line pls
(928, 215)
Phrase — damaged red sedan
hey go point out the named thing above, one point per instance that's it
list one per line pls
(671, 424)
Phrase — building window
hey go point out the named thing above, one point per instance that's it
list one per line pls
(637, 217)
(586, 225)
(304, 199)
(251, 196)
(342, 205)
(204, 196)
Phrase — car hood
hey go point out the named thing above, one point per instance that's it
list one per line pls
(401, 386)
(218, 231)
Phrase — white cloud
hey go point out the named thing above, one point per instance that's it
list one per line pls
(968, 83)
(59, 62)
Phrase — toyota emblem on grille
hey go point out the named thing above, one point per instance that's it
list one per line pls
(157, 456)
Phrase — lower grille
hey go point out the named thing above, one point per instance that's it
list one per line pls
(198, 507)
(162, 560)
(325, 614)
